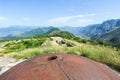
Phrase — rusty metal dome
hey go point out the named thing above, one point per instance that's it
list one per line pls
(59, 67)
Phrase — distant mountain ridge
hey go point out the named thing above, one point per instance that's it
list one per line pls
(97, 30)
(38, 31)
(14, 30)
(52, 31)
(112, 37)
(94, 31)
(108, 31)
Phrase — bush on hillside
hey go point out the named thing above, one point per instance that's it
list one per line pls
(23, 44)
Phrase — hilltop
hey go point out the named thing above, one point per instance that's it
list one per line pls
(27, 48)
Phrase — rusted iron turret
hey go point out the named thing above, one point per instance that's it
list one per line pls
(59, 67)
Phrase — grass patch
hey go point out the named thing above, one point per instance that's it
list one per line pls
(100, 53)
(1, 55)
(17, 46)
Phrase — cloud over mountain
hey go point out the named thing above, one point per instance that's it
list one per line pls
(70, 20)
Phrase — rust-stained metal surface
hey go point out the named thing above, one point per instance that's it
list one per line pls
(59, 67)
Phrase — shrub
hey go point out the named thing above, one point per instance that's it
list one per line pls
(1, 54)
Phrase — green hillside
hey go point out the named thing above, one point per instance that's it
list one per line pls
(27, 48)
(112, 38)
(31, 33)
(39, 31)
(36, 41)
(63, 34)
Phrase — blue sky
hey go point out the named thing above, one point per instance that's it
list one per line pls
(57, 12)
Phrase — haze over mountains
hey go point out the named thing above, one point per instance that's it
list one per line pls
(52, 31)
(102, 31)
(94, 31)
(14, 30)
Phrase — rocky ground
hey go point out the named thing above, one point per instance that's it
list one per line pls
(6, 63)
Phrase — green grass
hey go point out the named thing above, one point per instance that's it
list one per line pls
(1, 54)
(100, 53)
(17, 46)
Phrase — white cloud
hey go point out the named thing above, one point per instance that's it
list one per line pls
(71, 20)
(83, 22)
(3, 19)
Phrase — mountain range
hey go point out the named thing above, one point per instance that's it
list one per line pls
(108, 31)
(94, 31)
(50, 31)
(14, 30)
